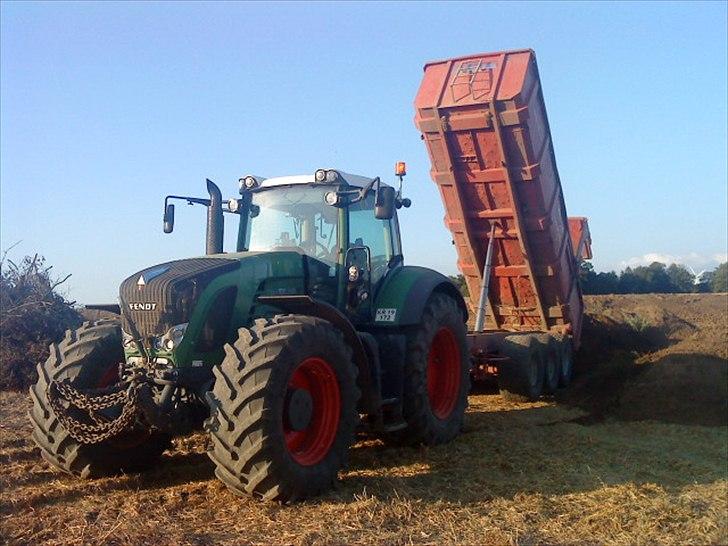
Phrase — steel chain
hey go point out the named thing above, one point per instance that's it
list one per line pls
(101, 429)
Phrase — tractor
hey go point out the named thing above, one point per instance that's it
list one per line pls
(311, 330)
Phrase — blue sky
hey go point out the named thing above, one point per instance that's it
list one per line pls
(105, 108)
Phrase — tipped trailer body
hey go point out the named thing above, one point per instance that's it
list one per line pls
(483, 121)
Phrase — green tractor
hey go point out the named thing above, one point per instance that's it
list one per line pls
(311, 330)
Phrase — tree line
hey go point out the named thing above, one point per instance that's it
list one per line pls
(654, 278)
(646, 279)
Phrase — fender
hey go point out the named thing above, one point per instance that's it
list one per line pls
(404, 294)
(370, 401)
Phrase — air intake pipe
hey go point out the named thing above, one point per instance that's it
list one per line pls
(215, 222)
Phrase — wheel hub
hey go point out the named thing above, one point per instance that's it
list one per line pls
(312, 412)
(299, 409)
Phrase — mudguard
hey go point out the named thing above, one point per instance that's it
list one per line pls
(404, 294)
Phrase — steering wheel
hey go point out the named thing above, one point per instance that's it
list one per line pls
(322, 251)
(379, 267)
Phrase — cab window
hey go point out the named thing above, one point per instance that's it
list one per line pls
(366, 230)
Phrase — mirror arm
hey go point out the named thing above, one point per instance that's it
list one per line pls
(362, 193)
(190, 200)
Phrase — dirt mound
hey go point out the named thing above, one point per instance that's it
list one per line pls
(679, 388)
(655, 356)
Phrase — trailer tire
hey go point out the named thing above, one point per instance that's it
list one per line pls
(283, 409)
(566, 357)
(551, 354)
(89, 358)
(437, 375)
(521, 379)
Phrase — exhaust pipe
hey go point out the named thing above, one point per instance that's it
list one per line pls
(215, 222)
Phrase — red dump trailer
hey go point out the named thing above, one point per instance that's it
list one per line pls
(483, 121)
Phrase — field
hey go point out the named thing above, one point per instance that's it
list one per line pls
(634, 453)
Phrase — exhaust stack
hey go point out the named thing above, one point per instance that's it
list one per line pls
(215, 222)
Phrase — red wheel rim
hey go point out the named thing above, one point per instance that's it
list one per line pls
(443, 373)
(110, 377)
(311, 444)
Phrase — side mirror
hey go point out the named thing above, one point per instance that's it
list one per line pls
(358, 262)
(169, 218)
(384, 203)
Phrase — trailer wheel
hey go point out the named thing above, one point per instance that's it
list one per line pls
(522, 378)
(566, 356)
(283, 409)
(437, 375)
(551, 355)
(89, 358)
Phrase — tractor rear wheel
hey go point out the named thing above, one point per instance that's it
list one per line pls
(283, 409)
(521, 379)
(89, 358)
(437, 375)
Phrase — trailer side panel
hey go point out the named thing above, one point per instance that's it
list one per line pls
(484, 123)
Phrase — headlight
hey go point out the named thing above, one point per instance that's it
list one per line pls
(173, 337)
(332, 176)
(234, 205)
(320, 175)
(127, 340)
(353, 273)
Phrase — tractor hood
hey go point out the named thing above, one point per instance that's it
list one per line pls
(159, 297)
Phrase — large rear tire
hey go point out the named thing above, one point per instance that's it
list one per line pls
(566, 356)
(437, 375)
(521, 379)
(283, 409)
(88, 357)
(551, 356)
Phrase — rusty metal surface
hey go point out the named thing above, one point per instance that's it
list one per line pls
(484, 124)
(580, 237)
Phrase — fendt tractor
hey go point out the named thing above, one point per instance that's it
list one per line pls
(313, 328)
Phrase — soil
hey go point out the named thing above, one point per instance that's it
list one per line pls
(633, 453)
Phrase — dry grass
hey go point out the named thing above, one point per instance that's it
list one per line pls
(520, 474)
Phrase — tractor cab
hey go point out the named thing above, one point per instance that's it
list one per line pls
(346, 225)
(344, 228)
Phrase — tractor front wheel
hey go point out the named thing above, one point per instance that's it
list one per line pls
(89, 358)
(283, 409)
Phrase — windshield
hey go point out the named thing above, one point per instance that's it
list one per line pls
(294, 218)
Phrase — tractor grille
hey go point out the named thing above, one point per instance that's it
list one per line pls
(168, 293)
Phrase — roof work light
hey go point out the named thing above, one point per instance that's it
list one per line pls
(248, 183)
(326, 175)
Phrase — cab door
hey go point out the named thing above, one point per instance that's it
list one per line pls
(372, 245)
